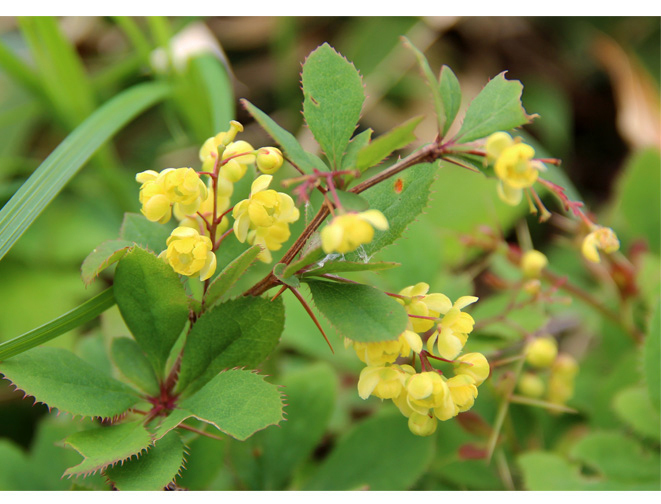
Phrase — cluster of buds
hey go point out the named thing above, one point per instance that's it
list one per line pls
(427, 396)
(201, 208)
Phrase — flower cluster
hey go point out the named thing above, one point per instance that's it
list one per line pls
(514, 165)
(428, 396)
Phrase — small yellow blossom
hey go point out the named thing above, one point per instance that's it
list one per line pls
(455, 326)
(236, 158)
(422, 425)
(190, 253)
(195, 221)
(531, 385)
(346, 232)
(423, 304)
(463, 391)
(269, 160)
(541, 352)
(561, 382)
(209, 150)
(181, 187)
(379, 353)
(601, 238)
(532, 263)
(385, 382)
(474, 365)
(426, 390)
(156, 206)
(270, 238)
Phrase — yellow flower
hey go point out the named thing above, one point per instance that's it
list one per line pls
(189, 253)
(601, 238)
(346, 232)
(184, 188)
(422, 425)
(379, 353)
(381, 381)
(423, 304)
(209, 150)
(541, 352)
(463, 391)
(270, 238)
(237, 156)
(156, 206)
(532, 263)
(269, 160)
(474, 365)
(455, 328)
(514, 166)
(263, 208)
(426, 390)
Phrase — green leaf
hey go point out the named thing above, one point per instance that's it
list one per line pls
(65, 161)
(401, 199)
(363, 459)
(89, 310)
(353, 149)
(346, 266)
(291, 281)
(134, 365)
(107, 446)
(351, 201)
(359, 312)
(333, 98)
(219, 97)
(153, 470)
(431, 82)
(381, 147)
(307, 258)
(138, 229)
(543, 471)
(101, 257)
(290, 146)
(260, 322)
(15, 68)
(237, 402)
(450, 92)
(230, 274)
(64, 381)
(152, 302)
(652, 356)
(15, 474)
(497, 108)
(212, 333)
(634, 407)
(267, 461)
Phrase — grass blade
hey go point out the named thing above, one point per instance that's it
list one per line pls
(70, 320)
(63, 163)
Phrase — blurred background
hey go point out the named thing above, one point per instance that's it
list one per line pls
(593, 81)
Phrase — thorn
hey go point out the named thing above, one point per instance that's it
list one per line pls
(311, 314)
(284, 287)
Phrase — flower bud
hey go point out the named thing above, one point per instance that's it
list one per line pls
(541, 352)
(422, 425)
(532, 263)
(474, 365)
(531, 385)
(269, 160)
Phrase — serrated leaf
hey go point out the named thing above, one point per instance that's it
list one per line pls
(346, 266)
(352, 202)
(652, 357)
(290, 146)
(381, 147)
(333, 98)
(363, 460)
(101, 257)
(450, 92)
(279, 273)
(353, 149)
(64, 381)
(212, 333)
(230, 275)
(237, 402)
(152, 302)
(359, 312)
(149, 235)
(634, 407)
(153, 470)
(260, 322)
(497, 108)
(134, 365)
(107, 446)
(401, 199)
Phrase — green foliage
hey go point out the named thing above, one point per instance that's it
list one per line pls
(451, 96)
(356, 145)
(237, 402)
(64, 381)
(230, 274)
(138, 229)
(347, 266)
(153, 470)
(134, 365)
(634, 407)
(106, 446)
(333, 98)
(380, 148)
(359, 312)
(279, 272)
(652, 357)
(152, 302)
(497, 108)
(352, 202)
(101, 257)
(364, 459)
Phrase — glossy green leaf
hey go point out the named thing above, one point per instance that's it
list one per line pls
(138, 229)
(333, 98)
(230, 274)
(346, 267)
(359, 312)
(363, 459)
(89, 310)
(260, 322)
(153, 470)
(64, 381)
(308, 257)
(152, 302)
(352, 202)
(450, 92)
(633, 406)
(101, 257)
(380, 148)
(134, 365)
(237, 402)
(106, 446)
(652, 357)
(290, 146)
(279, 273)
(353, 149)
(497, 108)
(65, 161)
(401, 199)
